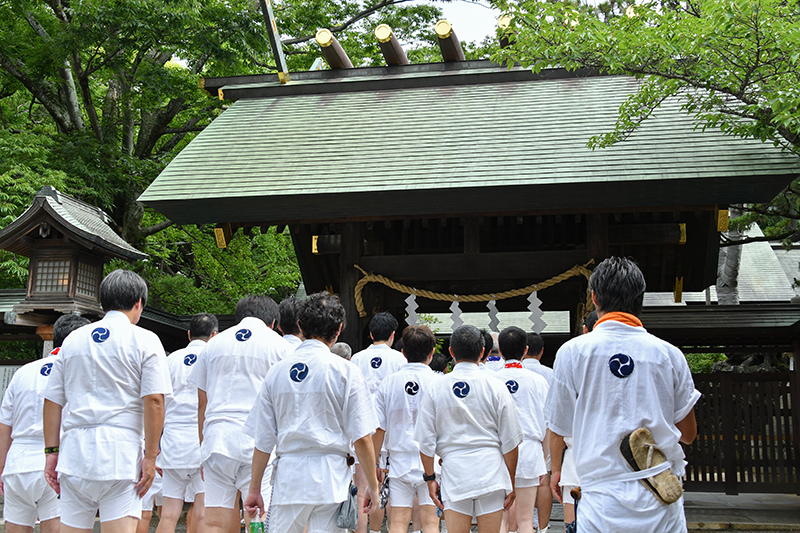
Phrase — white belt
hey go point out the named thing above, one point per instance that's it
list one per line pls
(628, 476)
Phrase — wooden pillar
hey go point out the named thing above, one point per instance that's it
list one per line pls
(597, 237)
(794, 384)
(45, 332)
(350, 255)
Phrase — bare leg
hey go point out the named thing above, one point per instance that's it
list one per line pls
(430, 522)
(190, 523)
(512, 517)
(199, 513)
(16, 528)
(220, 520)
(361, 483)
(170, 514)
(376, 519)
(457, 522)
(416, 523)
(401, 516)
(126, 524)
(544, 501)
(143, 525)
(48, 526)
(569, 513)
(525, 502)
(490, 523)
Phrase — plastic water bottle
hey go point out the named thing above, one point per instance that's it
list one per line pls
(256, 524)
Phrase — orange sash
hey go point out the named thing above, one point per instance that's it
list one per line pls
(619, 316)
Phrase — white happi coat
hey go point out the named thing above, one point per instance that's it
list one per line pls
(534, 364)
(311, 406)
(469, 419)
(22, 410)
(104, 370)
(397, 404)
(529, 391)
(495, 363)
(231, 371)
(180, 443)
(606, 385)
(377, 362)
(293, 340)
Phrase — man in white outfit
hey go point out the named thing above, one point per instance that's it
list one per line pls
(287, 321)
(529, 390)
(311, 406)
(228, 376)
(27, 494)
(397, 403)
(113, 375)
(609, 384)
(376, 362)
(180, 443)
(469, 419)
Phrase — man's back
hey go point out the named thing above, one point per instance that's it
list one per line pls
(376, 362)
(180, 445)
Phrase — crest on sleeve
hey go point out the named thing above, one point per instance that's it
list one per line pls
(461, 389)
(100, 334)
(298, 372)
(190, 359)
(621, 365)
(243, 334)
(46, 369)
(376, 362)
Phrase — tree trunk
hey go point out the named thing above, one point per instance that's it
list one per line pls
(730, 257)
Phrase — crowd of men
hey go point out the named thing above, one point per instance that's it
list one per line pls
(266, 411)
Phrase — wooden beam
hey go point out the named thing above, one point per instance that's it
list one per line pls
(533, 266)
(597, 236)
(646, 233)
(472, 236)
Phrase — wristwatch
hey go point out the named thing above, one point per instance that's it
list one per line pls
(426, 477)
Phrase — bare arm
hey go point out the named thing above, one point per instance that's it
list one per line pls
(153, 425)
(433, 485)
(202, 401)
(377, 444)
(556, 454)
(366, 456)
(5, 444)
(52, 437)
(511, 464)
(688, 428)
(254, 501)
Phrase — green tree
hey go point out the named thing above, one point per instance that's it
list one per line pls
(733, 64)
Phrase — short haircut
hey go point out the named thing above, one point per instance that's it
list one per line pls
(467, 343)
(439, 361)
(342, 349)
(320, 316)
(535, 344)
(121, 289)
(513, 342)
(382, 326)
(65, 325)
(418, 343)
(257, 306)
(495, 349)
(591, 320)
(618, 285)
(203, 325)
(287, 310)
(488, 341)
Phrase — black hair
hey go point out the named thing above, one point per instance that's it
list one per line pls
(257, 306)
(382, 326)
(440, 361)
(535, 344)
(121, 289)
(418, 343)
(513, 342)
(618, 285)
(320, 316)
(287, 310)
(65, 325)
(591, 320)
(202, 326)
(467, 343)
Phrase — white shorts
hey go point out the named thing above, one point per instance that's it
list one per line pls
(224, 476)
(82, 498)
(402, 491)
(28, 497)
(293, 518)
(486, 504)
(566, 496)
(179, 482)
(154, 495)
(524, 482)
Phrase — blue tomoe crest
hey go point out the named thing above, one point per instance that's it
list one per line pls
(376, 362)
(621, 365)
(298, 372)
(512, 386)
(461, 389)
(190, 359)
(243, 334)
(412, 388)
(46, 369)
(100, 334)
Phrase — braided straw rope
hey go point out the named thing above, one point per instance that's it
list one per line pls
(577, 270)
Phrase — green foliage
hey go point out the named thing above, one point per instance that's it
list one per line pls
(701, 363)
(20, 350)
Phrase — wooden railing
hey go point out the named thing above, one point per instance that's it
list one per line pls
(747, 430)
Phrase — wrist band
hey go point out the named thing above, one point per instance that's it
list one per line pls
(426, 477)
(52, 449)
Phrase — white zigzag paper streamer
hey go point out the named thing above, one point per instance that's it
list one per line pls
(411, 310)
(494, 322)
(536, 313)
(456, 316)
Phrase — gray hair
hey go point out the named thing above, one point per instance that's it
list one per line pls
(342, 349)
(65, 325)
(121, 289)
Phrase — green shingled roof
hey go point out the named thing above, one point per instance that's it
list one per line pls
(432, 149)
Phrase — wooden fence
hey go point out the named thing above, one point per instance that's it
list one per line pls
(747, 426)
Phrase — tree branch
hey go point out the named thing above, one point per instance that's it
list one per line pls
(792, 235)
(155, 228)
